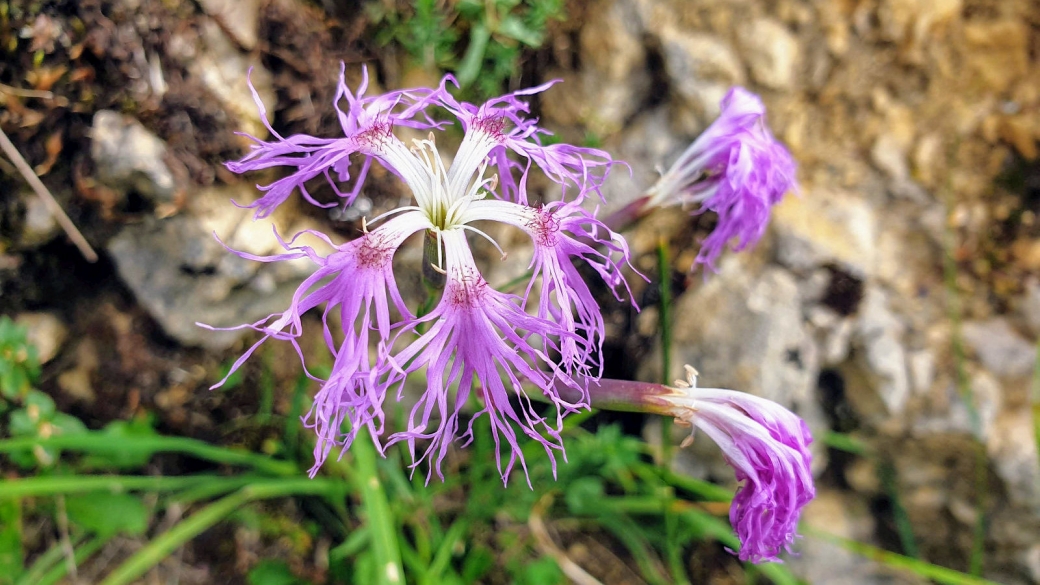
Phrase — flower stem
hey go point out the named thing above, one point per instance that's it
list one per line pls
(622, 219)
(624, 396)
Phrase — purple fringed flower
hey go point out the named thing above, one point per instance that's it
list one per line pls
(365, 124)
(501, 126)
(737, 169)
(768, 448)
(562, 232)
(478, 338)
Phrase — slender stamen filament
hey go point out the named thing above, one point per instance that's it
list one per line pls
(488, 238)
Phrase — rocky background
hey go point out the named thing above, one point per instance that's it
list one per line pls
(895, 303)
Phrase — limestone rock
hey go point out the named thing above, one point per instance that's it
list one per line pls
(826, 226)
(772, 53)
(183, 276)
(1000, 348)
(615, 78)
(46, 331)
(701, 68)
(226, 71)
(39, 225)
(240, 18)
(878, 384)
(130, 158)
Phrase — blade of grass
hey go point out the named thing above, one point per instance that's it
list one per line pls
(217, 486)
(71, 484)
(46, 561)
(381, 523)
(630, 534)
(355, 543)
(469, 67)
(967, 396)
(102, 443)
(844, 442)
(673, 552)
(704, 490)
(898, 561)
(12, 547)
(165, 544)
(904, 528)
(442, 557)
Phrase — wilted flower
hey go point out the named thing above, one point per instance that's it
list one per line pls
(478, 338)
(736, 168)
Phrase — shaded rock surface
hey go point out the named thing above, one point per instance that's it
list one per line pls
(180, 272)
(913, 124)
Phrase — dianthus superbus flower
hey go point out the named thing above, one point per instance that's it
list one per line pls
(476, 339)
(735, 168)
(505, 351)
(766, 444)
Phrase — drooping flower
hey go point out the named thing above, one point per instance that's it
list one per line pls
(768, 448)
(737, 169)
(766, 444)
(480, 341)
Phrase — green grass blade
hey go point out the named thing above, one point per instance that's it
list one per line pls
(46, 561)
(102, 443)
(166, 543)
(73, 484)
(355, 543)
(904, 528)
(630, 534)
(217, 486)
(443, 555)
(704, 490)
(381, 523)
(12, 548)
(473, 60)
(897, 561)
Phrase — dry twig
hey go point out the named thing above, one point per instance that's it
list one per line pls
(52, 205)
(545, 544)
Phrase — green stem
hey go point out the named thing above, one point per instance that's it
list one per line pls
(381, 523)
(665, 325)
(1036, 400)
(624, 396)
(628, 215)
(967, 395)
